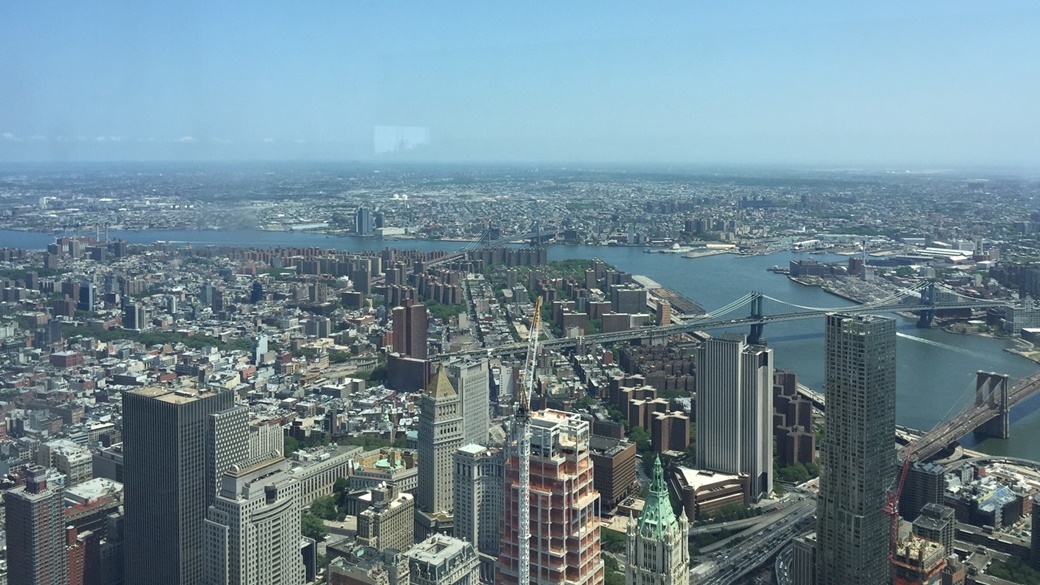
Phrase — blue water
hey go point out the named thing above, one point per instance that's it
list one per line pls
(936, 370)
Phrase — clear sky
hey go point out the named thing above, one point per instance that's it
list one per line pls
(940, 83)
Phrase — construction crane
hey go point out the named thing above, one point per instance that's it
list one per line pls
(892, 503)
(522, 439)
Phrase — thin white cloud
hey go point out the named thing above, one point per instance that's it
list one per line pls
(100, 139)
(9, 136)
(186, 139)
(268, 140)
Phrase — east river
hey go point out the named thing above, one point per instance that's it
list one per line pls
(936, 370)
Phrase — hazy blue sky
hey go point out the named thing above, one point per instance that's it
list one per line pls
(941, 83)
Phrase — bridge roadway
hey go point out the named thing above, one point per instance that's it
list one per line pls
(708, 323)
(970, 419)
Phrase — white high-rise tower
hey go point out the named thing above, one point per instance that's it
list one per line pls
(735, 410)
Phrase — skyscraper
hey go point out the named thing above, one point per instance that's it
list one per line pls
(478, 502)
(168, 483)
(363, 221)
(440, 435)
(471, 381)
(658, 545)
(253, 527)
(857, 452)
(565, 533)
(227, 434)
(35, 525)
(409, 330)
(735, 410)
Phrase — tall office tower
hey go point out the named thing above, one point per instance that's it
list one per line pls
(134, 317)
(220, 300)
(389, 522)
(442, 560)
(857, 453)
(409, 329)
(735, 410)
(363, 221)
(168, 483)
(565, 545)
(479, 473)
(253, 528)
(86, 297)
(658, 546)
(440, 435)
(471, 381)
(35, 524)
(227, 435)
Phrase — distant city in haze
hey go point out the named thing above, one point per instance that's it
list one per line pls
(926, 85)
(336, 293)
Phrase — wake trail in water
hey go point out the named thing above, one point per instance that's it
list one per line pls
(939, 344)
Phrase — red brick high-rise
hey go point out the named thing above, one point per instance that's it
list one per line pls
(409, 326)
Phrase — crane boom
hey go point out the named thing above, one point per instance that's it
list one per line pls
(892, 503)
(522, 436)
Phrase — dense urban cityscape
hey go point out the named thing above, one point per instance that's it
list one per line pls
(396, 374)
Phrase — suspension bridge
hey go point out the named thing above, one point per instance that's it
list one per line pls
(487, 239)
(756, 310)
(989, 414)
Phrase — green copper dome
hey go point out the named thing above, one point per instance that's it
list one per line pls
(657, 518)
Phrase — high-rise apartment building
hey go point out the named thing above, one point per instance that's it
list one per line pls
(253, 528)
(440, 435)
(167, 483)
(937, 523)
(479, 473)
(735, 410)
(565, 534)
(658, 545)
(471, 380)
(35, 525)
(409, 330)
(857, 452)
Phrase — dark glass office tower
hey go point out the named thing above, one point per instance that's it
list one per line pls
(168, 483)
(858, 450)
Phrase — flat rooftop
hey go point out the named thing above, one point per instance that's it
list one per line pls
(169, 395)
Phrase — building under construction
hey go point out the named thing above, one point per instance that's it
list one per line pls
(918, 561)
(565, 533)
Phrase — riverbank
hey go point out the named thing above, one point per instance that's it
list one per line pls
(707, 253)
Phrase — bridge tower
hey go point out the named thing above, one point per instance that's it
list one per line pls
(992, 390)
(924, 320)
(756, 313)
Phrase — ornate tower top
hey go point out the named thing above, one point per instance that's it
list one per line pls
(657, 518)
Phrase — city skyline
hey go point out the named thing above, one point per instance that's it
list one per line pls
(931, 84)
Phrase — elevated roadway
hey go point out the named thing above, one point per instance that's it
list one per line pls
(708, 323)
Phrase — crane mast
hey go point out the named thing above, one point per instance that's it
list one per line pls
(891, 507)
(522, 438)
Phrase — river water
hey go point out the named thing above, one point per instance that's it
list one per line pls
(936, 370)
